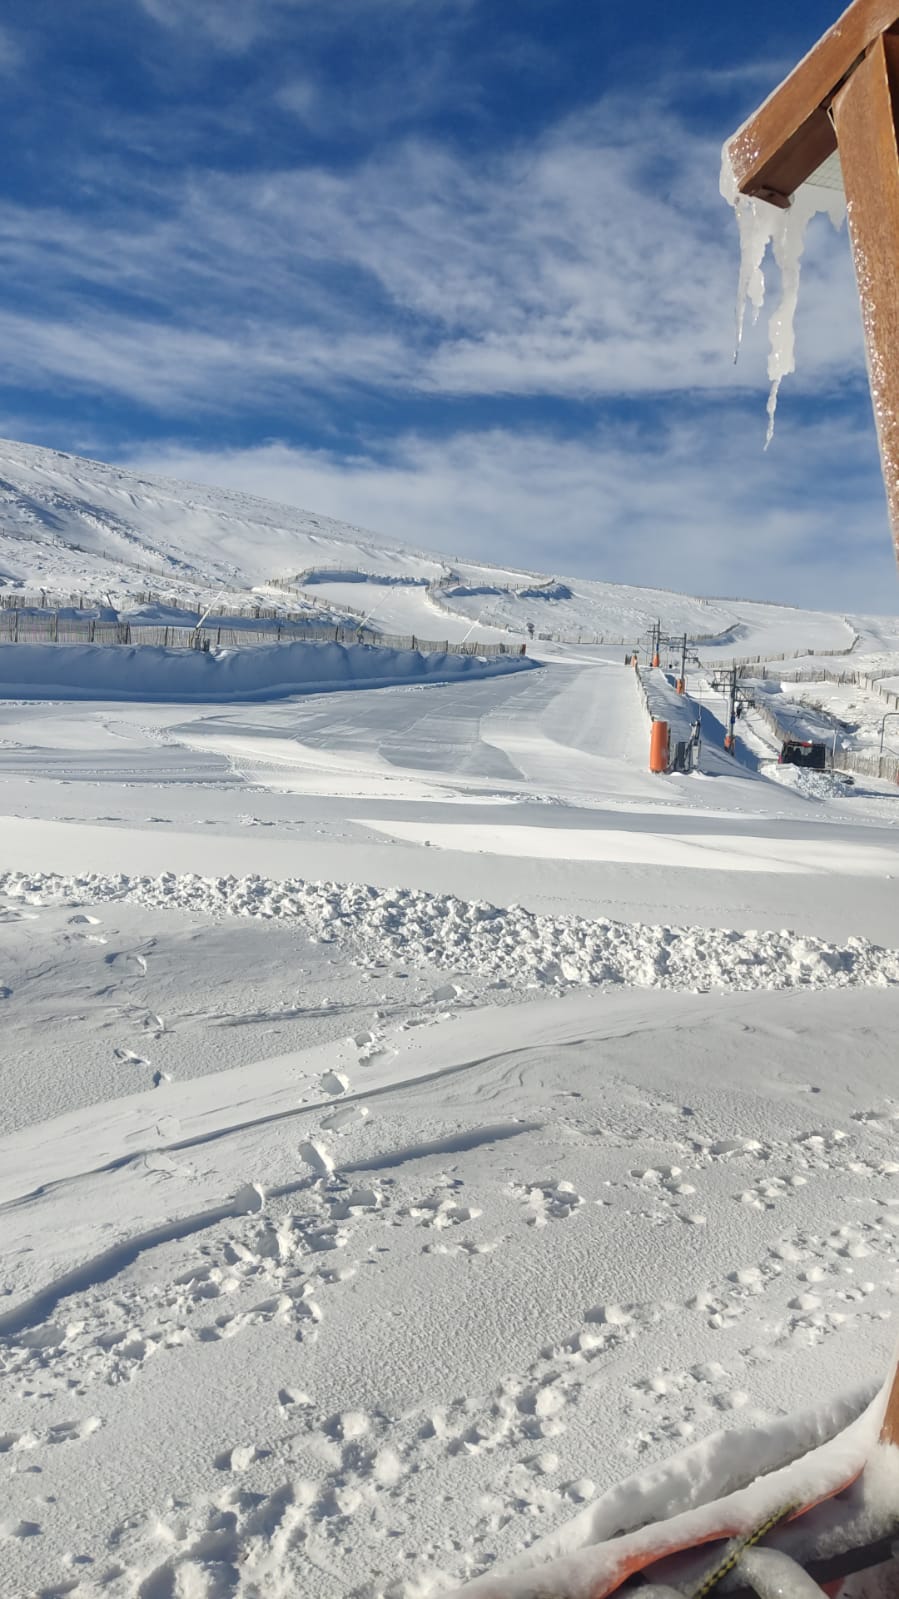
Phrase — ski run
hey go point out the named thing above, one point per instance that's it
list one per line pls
(438, 1156)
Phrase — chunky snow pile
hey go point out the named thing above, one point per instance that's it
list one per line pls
(511, 946)
(89, 671)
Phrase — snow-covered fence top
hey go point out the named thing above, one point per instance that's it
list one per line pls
(883, 766)
(819, 674)
(45, 603)
(350, 574)
(18, 628)
(787, 655)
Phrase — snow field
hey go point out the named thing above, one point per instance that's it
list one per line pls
(362, 1239)
(496, 945)
(567, 1331)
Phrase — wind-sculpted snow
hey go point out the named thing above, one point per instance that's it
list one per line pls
(507, 946)
(88, 671)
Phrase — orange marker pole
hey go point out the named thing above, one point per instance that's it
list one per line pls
(658, 747)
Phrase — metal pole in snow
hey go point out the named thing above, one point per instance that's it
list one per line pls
(886, 717)
(730, 739)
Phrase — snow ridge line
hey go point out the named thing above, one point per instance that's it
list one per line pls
(101, 1268)
(506, 947)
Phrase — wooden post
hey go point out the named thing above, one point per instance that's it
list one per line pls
(844, 95)
(889, 1430)
(866, 117)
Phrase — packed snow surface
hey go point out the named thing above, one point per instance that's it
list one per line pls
(431, 1145)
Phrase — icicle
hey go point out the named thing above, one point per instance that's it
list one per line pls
(754, 222)
(775, 1576)
(761, 225)
(755, 235)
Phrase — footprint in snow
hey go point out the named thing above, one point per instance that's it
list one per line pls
(67, 1432)
(128, 960)
(130, 1057)
(548, 1201)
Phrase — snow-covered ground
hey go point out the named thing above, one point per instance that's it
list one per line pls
(416, 1117)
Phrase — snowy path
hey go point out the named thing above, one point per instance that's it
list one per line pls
(251, 1116)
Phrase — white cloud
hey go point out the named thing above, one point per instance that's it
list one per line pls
(234, 26)
(590, 263)
(693, 506)
(177, 370)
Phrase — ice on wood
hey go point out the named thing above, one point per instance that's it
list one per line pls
(762, 225)
(775, 1576)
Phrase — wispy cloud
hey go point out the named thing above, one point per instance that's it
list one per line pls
(584, 265)
(233, 26)
(177, 371)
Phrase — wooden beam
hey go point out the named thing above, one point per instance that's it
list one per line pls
(791, 134)
(889, 1429)
(866, 114)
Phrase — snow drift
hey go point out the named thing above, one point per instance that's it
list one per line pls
(88, 671)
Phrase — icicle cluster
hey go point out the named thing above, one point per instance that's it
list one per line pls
(761, 225)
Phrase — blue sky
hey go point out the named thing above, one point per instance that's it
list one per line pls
(453, 269)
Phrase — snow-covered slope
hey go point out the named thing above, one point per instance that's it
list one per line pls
(69, 523)
(416, 1117)
(71, 526)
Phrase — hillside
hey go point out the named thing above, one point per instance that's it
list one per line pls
(75, 527)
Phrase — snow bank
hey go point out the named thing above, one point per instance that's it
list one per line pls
(510, 947)
(88, 671)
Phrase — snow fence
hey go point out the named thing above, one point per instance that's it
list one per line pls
(94, 672)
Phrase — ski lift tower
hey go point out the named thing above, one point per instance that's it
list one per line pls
(839, 108)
